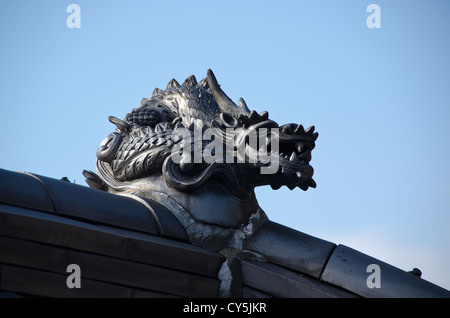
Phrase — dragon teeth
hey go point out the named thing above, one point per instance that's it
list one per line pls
(310, 130)
(293, 157)
(264, 115)
(299, 146)
(306, 155)
(311, 183)
(299, 130)
(315, 135)
(287, 170)
(286, 130)
(304, 187)
(253, 115)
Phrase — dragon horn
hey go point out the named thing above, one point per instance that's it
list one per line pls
(243, 105)
(223, 101)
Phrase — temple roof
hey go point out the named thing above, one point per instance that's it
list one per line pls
(128, 246)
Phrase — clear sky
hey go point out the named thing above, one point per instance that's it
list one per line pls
(379, 98)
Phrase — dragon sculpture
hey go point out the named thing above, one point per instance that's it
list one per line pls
(180, 217)
(139, 157)
(153, 157)
(143, 142)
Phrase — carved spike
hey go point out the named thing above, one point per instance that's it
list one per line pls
(293, 157)
(311, 183)
(172, 84)
(203, 83)
(243, 105)
(286, 129)
(160, 141)
(148, 131)
(291, 187)
(303, 186)
(159, 128)
(120, 124)
(167, 126)
(253, 115)
(190, 81)
(222, 100)
(310, 130)
(156, 91)
(299, 130)
(264, 115)
(144, 100)
(315, 135)
(178, 125)
(94, 181)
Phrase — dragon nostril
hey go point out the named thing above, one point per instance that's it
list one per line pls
(228, 120)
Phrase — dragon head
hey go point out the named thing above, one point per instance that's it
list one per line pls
(165, 135)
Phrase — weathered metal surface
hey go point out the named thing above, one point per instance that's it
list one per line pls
(163, 221)
(48, 284)
(59, 231)
(23, 190)
(290, 248)
(281, 282)
(214, 182)
(349, 269)
(98, 206)
(106, 269)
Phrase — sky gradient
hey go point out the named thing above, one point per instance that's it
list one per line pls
(379, 98)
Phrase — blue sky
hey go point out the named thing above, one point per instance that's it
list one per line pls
(379, 98)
